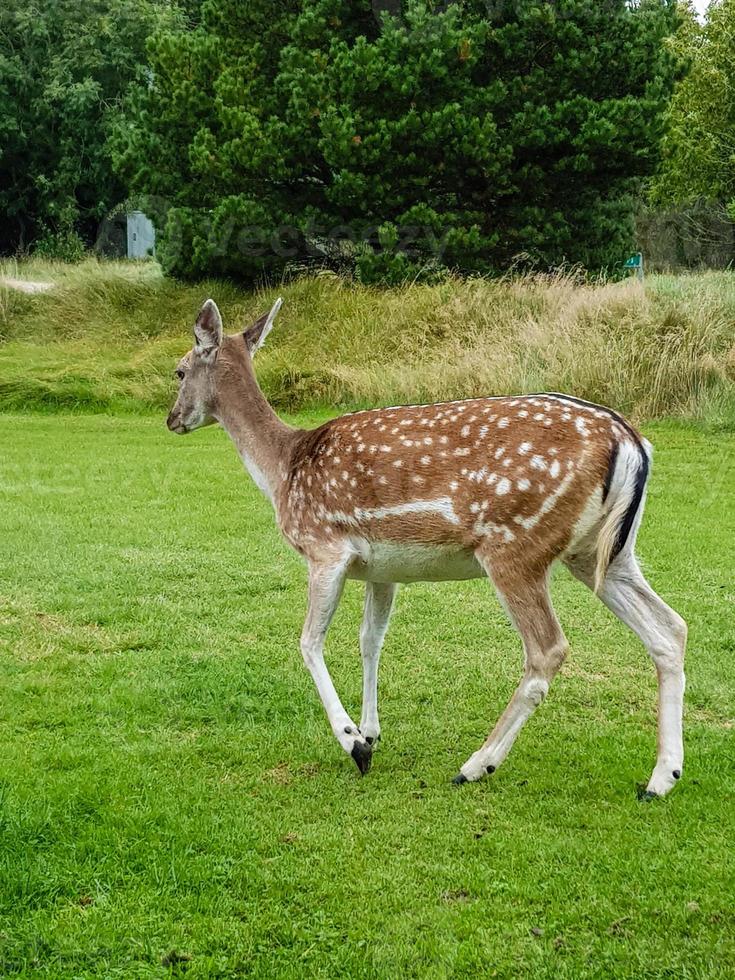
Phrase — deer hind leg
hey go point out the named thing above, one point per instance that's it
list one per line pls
(545, 647)
(663, 632)
(378, 604)
(325, 590)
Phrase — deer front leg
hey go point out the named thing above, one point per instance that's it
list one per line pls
(325, 590)
(378, 604)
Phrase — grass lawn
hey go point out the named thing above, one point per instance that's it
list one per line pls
(171, 798)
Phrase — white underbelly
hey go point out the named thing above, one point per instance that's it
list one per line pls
(386, 561)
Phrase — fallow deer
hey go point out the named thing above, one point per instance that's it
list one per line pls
(498, 487)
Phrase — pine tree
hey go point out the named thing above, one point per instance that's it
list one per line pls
(457, 135)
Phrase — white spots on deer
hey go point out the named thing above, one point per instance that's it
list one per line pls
(442, 506)
(483, 528)
(548, 504)
(413, 467)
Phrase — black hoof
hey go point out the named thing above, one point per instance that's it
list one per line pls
(363, 756)
(459, 779)
(645, 795)
(490, 769)
(676, 773)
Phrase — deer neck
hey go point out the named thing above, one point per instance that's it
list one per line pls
(262, 440)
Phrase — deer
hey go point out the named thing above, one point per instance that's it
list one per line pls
(497, 487)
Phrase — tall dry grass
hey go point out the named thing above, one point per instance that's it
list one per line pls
(109, 335)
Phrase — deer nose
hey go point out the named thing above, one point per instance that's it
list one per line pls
(173, 420)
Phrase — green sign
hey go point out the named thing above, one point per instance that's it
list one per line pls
(635, 261)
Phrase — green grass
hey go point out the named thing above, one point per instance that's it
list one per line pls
(172, 801)
(107, 337)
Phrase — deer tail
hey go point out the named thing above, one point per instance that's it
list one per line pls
(624, 493)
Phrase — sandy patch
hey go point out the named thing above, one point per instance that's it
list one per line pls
(26, 286)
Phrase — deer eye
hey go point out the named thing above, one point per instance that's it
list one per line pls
(179, 374)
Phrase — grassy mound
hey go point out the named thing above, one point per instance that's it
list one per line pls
(108, 336)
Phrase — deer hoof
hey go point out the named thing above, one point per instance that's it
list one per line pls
(645, 795)
(363, 756)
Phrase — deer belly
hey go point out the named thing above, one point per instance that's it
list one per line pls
(388, 561)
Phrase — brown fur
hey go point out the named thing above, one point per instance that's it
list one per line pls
(460, 451)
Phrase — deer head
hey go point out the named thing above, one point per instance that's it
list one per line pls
(200, 371)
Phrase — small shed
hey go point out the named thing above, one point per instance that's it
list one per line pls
(141, 236)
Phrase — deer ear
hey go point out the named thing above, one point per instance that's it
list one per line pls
(208, 328)
(255, 335)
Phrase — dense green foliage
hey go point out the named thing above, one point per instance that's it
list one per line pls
(64, 66)
(698, 149)
(172, 802)
(461, 135)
